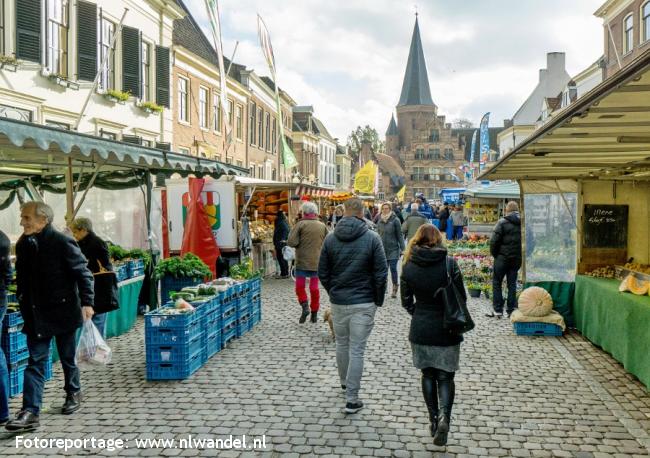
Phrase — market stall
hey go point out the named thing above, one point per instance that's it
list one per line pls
(585, 179)
(485, 203)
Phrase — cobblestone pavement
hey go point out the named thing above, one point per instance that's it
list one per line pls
(516, 396)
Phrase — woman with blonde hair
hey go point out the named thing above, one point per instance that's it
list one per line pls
(436, 351)
(390, 231)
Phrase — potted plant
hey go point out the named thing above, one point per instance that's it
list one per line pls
(150, 107)
(178, 272)
(9, 62)
(487, 290)
(474, 289)
(58, 79)
(115, 96)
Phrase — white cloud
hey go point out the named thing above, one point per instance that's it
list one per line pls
(347, 57)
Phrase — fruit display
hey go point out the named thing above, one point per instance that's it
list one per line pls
(634, 285)
(261, 231)
(636, 267)
(603, 272)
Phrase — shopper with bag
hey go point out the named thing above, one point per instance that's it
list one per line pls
(5, 281)
(433, 293)
(96, 252)
(55, 292)
(280, 236)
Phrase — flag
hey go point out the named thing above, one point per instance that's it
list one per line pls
(485, 139)
(473, 148)
(215, 22)
(288, 158)
(401, 194)
(364, 179)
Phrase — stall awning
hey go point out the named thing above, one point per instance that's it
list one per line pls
(259, 184)
(604, 135)
(506, 190)
(28, 147)
(313, 191)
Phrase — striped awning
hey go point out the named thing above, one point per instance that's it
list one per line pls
(313, 191)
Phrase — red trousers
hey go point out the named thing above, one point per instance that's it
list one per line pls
(313, 291)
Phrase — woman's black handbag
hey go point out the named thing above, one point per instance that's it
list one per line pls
(106, 292)
(456, 317)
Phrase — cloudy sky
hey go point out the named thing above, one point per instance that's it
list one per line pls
(347, 57)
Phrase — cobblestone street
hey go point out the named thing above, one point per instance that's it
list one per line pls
(516, 396)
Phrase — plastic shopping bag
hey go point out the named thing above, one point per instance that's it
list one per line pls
(92, 348)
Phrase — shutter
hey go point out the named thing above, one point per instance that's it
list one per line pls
(28, 30)
(131, 53)
(162, 76)
(86, 41)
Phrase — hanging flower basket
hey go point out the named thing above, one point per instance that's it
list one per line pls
(150, 107)
(115, 96)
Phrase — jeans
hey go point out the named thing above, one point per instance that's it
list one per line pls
(505, 268)
(352, 327)
(284, 265)
(392, 265)
(100, 321)
(458, 232)
(39, 351)
(4, 372)
(314, 292)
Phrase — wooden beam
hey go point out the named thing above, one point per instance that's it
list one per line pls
(604, 110)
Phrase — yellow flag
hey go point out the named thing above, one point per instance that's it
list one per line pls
(401, 193)
(364, 180)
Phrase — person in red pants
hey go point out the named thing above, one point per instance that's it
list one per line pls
(307, 238)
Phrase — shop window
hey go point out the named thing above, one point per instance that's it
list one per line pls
(57, 37)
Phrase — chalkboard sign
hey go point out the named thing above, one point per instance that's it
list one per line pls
(605, 226)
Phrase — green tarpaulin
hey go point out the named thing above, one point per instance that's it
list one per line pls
(562, 294)
(617, 322)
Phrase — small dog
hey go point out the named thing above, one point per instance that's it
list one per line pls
(327, 316)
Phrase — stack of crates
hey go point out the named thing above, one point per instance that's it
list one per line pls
(14, 346)
(244, 309)
(256, 301)
(229, 309)
(174, 344)
(135, 268)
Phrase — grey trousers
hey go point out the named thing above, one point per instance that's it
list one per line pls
(352, 327)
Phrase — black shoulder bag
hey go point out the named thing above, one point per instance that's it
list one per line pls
(106, 290)
(456, 317)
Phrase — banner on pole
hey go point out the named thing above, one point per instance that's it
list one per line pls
(485, 139)
(364, 180)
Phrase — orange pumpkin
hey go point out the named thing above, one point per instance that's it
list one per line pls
(634, 286)
(535, 301)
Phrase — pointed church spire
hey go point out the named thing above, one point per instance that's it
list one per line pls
(392, 127)
(415, 89)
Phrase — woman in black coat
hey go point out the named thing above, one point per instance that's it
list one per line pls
(280, 236)
(96, 252)
(436, 351)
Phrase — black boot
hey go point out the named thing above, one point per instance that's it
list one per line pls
(430, 393)
(24, 421)
(314, 317)
(305, 312)
(446, 393)
(72, 403)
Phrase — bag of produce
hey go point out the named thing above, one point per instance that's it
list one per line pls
(92, 348)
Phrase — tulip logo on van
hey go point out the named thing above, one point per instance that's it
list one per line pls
(211, 206)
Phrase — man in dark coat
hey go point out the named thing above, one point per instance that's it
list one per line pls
(353, 270)
(5, 281)
(444, 217)
(280, 236)
(55, 292)
(505, 246)
(96, 252)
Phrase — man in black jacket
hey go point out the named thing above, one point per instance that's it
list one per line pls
(353, 270)
(505, 246)
(5, 281)
(55, 293)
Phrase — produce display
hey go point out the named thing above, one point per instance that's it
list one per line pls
(119, 254)
(268, 204)
(261, 231)
(188, 266)
(474, 260)
(634, 285)
(636, 267)
(244, 270)
(483, 214)
(603, 272)
(535, 301)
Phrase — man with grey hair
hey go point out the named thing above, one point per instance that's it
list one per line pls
(307, 238)
(55, 292)
(413, 221)
(354, 272)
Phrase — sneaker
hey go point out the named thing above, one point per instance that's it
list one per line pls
(353, 407)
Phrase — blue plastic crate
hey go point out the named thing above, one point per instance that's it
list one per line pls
(11, 297)
(13, 341)
(176, 370)
(213, 322)
(158, 319)
(256, 284)
(229, 325)
(166, 353)
(18, 356)
(122, 272)
(243, 325)
(12, 320)
(134, 267)
(136, 273)
(228, 311)
(169, 284)
(16, 380)
(162, 336)
(227, 337)
(256, 317)
(537, 329)
(48, 368)
(213, 344)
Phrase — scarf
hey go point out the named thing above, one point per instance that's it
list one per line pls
(385, 218)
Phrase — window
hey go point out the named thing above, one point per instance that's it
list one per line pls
(260, 171)
(147, 143)
(184, 150)
(218, 157)
(146, 72)
(240, 122)
(412, 123)
(229, 160)
(107, 73)
(231, 107)
(274, 175)
(645, 20)
(183, 96)
(419, 153)
(338, 173)
(274, 136)
(251, 169)
(57, 125)
(57, 37)
(2, 27)
(628, 33)
(267, 126)
(434, 137)
(449, 154)
(15, 113)
(216, 111)
(108, 135)
(204, 115)
(260, 128)
(252, 116)
(240, 164)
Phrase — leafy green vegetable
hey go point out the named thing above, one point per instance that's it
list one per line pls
(244, 270)
(188, 266)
